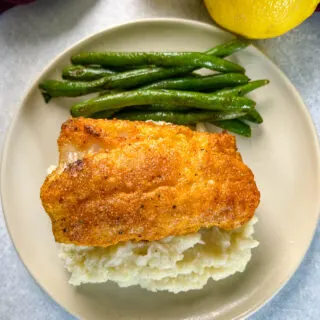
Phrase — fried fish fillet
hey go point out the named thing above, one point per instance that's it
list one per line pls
(122, 180)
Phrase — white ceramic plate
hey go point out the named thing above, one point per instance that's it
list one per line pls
(283, 153)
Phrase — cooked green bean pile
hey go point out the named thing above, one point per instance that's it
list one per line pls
(161, 86)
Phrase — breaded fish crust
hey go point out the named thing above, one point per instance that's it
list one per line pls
(123, 180)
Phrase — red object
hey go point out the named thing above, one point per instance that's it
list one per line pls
(7, 4)
(318, 8)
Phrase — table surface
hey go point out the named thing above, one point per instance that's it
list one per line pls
(31, 36)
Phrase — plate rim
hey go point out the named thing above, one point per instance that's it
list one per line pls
(8, 136)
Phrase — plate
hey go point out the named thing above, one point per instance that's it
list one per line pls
(283, 154)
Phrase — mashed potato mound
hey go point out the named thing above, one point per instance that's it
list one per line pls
(175, 264)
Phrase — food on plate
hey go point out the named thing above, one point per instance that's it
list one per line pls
(189, 99)
(84, 73)
(242, 90)
(54, 88)
(219, 119)
(162, 86)
(175, 264)
(122, 80)
(196, 60)
(179, 117)
(124, 189)
(197, 83)
(134, 78)
(80, 72)
(236, 126)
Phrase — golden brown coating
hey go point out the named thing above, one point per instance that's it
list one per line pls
(143, 181)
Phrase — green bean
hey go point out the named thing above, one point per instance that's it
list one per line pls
(164, 59)
(83, 73)
(137, 78)
(239, 90)
(126, 80)
(173, 97)
(226, 49)
(93, 72)
(162, 107)
(159, 107)
(109, 91)
(253, 116)
(55, 88)
(222, 50)
(256, 117)
(242, 89)
(235, 126)
(121, 80)
(204, 83)
(178, 117)
(222, 119)
(107, 114)
(128, 68)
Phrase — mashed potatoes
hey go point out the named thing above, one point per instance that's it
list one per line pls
(174, 264)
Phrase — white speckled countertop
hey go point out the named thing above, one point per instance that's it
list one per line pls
(31, 36)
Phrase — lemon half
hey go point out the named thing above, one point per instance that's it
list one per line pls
(259, 19)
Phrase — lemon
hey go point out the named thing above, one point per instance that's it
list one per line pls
(258, 19)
